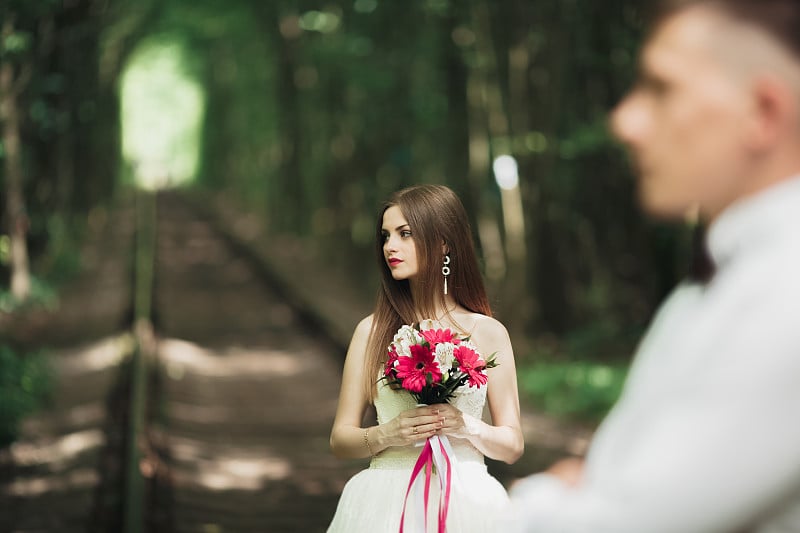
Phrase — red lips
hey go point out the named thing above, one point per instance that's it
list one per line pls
(394, 261)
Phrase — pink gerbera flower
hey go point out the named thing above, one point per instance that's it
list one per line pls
(387, 371)
(436, 336)
(471, 364)
(414, 369)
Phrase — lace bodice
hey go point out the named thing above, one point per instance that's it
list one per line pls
(390, 402)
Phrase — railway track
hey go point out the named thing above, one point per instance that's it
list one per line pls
(247, 391)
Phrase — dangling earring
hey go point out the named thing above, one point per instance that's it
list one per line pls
(446, 271)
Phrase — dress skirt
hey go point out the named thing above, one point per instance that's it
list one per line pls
(372, 501)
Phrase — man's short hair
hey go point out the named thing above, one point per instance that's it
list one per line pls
(779, 18)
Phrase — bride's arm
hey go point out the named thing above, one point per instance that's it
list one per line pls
(502, 439)
(348, 438)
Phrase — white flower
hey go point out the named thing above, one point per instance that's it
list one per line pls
(471, 346)
(444, 354)
(405, 337)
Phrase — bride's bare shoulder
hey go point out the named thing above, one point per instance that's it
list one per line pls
(486, 322)
(364, 327)
(360, 338)
(488, 329)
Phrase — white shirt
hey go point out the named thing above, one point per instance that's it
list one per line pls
(706, 435)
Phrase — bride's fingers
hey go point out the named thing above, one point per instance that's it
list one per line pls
(424, 420)
(427, 410)
(425, 430)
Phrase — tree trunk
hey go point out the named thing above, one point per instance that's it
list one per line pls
(546, 277)
(282, 23)
(15, 205)
(457, 138)
(513, 306)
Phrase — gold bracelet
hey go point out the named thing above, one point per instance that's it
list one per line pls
(366, 441)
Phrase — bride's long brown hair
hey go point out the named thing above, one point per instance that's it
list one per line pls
(436, 217)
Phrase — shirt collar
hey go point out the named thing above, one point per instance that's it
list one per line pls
(755, 219)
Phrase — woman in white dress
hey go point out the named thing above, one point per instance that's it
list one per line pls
(422, 230)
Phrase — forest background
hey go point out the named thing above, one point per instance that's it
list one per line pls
(308, 114)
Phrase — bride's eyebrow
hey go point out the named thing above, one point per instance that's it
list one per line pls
(398, 228)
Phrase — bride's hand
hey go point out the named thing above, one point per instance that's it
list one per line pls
(456, 423)
(411, 426)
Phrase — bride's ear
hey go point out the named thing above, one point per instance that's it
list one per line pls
(445, 248)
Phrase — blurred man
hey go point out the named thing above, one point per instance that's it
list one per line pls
(706, 435)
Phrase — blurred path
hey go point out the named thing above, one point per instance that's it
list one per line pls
(61, 475)
(247, 393)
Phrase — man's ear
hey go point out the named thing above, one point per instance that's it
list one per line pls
(775, 108)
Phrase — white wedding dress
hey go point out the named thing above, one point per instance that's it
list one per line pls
(372, 501)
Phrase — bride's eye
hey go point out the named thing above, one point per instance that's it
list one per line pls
(405, 233)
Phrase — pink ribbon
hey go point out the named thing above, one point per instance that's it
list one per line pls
(426, 460)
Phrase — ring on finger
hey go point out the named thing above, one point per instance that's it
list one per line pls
(415, 430)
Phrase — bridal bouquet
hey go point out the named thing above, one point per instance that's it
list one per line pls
(432, 363)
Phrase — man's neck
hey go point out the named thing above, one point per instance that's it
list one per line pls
(779, 167)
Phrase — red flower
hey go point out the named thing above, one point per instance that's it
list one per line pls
(414, 369)
(436, 336)
(471, 364)
(389, 367)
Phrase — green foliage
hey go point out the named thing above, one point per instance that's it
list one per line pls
(313, 113)
(576, 389)
(42, 294)
(602, 341)
(21, 41)
(580, 375)
(61, 260)
(55, 264)
(587, 139)
(25, 381)
(17, 43)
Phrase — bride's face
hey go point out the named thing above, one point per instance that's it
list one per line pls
(399, 250)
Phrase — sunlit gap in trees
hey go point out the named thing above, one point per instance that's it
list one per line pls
(162, 115)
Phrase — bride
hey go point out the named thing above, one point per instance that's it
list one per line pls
(430, 277)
